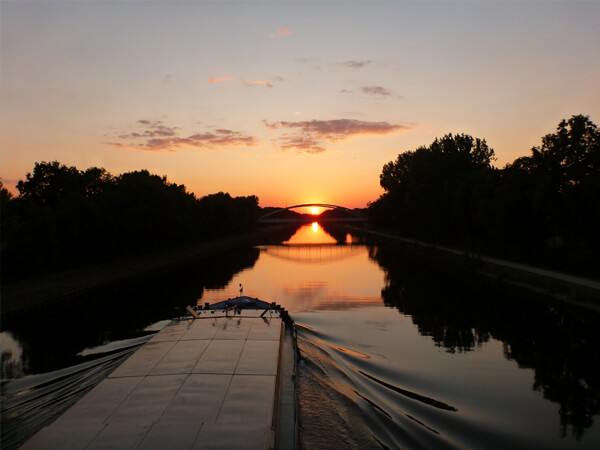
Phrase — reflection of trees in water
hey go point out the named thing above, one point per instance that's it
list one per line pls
(335, 231)
(561, 345)
(52, 337)
(280, 233)
(460, 311)
(438, 306)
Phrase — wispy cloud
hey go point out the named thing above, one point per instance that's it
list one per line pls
(282, 32)
(163, 77)
(355, 64)
(221, 80)
(152, 129)
(258, 83)
(310, 136)
(154, 136)
(377, 91)
(313, 63)
(303, 143)
(374, 91)
(248, 83)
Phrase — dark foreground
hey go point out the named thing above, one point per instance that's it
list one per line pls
(397, 350)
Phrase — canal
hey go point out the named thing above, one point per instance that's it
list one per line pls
(397, 351)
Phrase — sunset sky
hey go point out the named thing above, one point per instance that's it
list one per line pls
(294, 102)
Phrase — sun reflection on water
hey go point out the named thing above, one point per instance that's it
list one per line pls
(310, 234)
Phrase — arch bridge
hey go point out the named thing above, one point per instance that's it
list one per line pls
(310, 253)
(356, 216)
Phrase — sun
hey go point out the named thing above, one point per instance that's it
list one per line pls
(314, 210)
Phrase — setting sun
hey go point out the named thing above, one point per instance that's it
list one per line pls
(314, 210)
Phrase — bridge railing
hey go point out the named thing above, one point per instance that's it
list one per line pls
(265, 217)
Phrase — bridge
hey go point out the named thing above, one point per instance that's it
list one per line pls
(312, 253)
(351, 216)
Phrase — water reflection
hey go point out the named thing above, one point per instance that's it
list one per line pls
(311, 253)
(309, 277)
(310, 271)
(340, 234)
(461, 312)
(407, 353)
(313, 234)
(55, 337)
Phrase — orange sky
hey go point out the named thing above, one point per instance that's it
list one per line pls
(292, 102)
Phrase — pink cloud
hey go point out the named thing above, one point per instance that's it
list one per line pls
(355, 64)
(304, 143)
(378, 91)
(157, 137)
(153, 129)
(221, 80)
(116, 144)
(258, 83)
(308, 136)
(282, 32)
(248, 83)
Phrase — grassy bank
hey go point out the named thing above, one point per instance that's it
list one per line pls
(560, 286)
(43, 291)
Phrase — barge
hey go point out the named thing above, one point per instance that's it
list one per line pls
(218, 377)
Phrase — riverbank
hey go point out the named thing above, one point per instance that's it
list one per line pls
(32, 293)
(561, 286)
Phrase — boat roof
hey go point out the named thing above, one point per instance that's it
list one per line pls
(241, 302)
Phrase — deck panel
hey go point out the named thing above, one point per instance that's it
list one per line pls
(197, 384)
(144, 360)
(258, 358)
(221, 356)
(182, 358)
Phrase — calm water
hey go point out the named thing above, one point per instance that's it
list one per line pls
(397, 353)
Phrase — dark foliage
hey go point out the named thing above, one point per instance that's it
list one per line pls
(64, 217)
(542, 209)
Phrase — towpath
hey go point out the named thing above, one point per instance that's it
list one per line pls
(551, 274)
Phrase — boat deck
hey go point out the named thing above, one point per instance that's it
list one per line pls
(207, 383)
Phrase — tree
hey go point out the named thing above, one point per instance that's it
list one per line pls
(465, 150)
(542, 208)
(96, 180)
(65, 217)
(571, 155)
(429, 192)
(49, 182)
(5, 194)
(6, 218)
(564, 172)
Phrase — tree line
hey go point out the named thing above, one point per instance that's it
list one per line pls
(543, 208)
(64, 217)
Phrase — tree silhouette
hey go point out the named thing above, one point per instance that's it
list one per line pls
(564, 179)
(541, 208)
(429, 192)
(64, 217)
